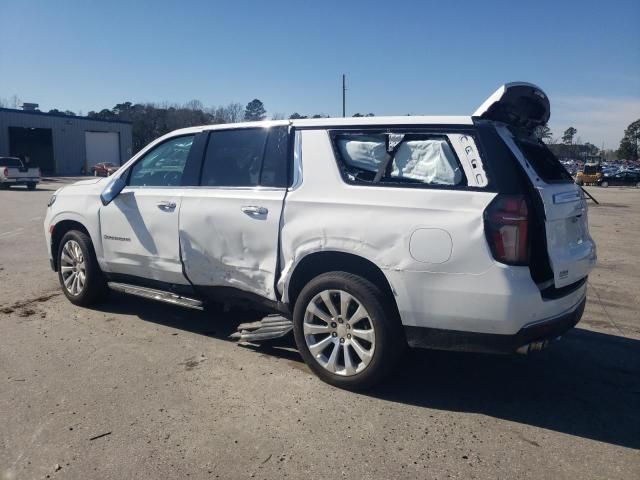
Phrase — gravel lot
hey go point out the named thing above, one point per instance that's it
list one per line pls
(173, 398)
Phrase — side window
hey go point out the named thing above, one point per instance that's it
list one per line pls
(399, 158)
(234, 158)
(162, 166)
(544, 162)
(276, 158)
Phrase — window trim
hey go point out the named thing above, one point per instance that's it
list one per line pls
(259, 186)
(386, 129)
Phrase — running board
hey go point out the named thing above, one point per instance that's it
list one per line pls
(159, 295)
(270, 327)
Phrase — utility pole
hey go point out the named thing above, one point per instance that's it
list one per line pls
(344, 93)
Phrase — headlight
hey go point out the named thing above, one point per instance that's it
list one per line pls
(52, 200)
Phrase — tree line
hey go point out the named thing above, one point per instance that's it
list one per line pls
(151, 120)
(569, 145)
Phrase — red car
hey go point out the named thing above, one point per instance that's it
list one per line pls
(104, 169)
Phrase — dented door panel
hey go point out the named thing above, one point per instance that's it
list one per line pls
(229, 237)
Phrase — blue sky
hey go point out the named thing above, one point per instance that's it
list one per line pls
(400, 57)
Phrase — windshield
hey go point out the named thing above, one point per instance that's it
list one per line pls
(10, 162)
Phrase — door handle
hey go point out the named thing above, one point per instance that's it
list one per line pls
(166, 206)
(254, 210)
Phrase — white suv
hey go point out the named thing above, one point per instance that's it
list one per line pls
(363, 235)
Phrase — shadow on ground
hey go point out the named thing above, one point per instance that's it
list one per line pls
(587, 385)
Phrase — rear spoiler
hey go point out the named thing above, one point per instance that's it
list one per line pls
(518, 104)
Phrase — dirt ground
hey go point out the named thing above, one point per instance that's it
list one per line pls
(136, 389)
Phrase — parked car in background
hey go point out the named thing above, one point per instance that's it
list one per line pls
(363, 235)
(14, 172)
(622, 178)
(591, 174)
(104, 169)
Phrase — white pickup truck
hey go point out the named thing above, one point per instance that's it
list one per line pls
(14, 172)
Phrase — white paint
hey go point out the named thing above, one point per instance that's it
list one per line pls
(431, 245)
(140, 238)
(225, 241)
(102, 147)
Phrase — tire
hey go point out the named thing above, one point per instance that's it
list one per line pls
(31, 186)
(380, 325)
(604, 184)
(78, 254)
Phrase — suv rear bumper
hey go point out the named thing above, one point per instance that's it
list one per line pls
(539, 333)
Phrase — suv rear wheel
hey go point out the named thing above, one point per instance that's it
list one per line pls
(346, 331)
(79, 274)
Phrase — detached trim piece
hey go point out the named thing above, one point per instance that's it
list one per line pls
(441, 339)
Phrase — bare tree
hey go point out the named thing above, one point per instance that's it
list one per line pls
(277, 116)
(235, 112)
(231, 113)
(194, 105)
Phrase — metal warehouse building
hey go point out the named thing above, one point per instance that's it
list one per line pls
(63, 144)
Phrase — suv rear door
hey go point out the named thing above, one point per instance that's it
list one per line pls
(230, 223)
(571, 249)
(517, 110)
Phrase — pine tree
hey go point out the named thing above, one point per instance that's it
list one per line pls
(254, 111)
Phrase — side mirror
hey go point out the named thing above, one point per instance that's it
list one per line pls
(112, 191)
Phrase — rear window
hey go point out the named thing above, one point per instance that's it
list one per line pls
(544, 162)
(11, 162)
(398, 158)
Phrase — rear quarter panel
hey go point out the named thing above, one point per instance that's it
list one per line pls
(386, 225)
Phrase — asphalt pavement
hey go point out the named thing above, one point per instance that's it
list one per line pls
(137, 389)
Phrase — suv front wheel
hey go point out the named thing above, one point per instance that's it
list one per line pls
(346, 330)
(79, 274)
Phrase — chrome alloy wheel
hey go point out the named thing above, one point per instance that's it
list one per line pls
(72, 267)
(339, 333)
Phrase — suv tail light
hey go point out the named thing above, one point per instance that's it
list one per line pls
(506, 224)
(6, 172)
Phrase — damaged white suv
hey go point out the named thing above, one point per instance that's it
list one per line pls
(363, 235)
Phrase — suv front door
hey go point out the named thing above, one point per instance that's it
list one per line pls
(229, 225)
(139, 227)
